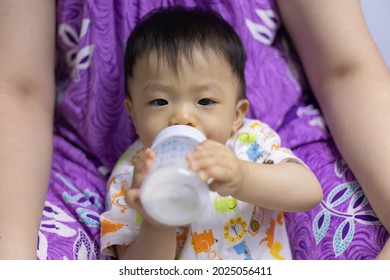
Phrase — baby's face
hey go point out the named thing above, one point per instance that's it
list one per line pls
(203, 95)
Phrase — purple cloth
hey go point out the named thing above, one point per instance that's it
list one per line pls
(93, 129)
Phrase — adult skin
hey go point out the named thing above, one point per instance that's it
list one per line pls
(27, 46)
(352, 85)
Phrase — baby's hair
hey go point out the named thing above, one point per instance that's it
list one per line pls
(173, 32)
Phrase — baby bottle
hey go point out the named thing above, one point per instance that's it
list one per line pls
(172, 193)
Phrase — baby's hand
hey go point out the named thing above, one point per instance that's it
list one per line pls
(214, 160)
(141, 168)
(132, 197)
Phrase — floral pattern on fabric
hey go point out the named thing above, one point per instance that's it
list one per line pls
(92, 128)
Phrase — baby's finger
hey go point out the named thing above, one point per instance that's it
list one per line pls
(197, 163)
(132, 196)
(217, 173)
(208, 144)
(211, 149)
(142, 167)
(205, 162)
(220, 189)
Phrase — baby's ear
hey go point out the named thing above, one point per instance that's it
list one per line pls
(129, 107)
(242, 108)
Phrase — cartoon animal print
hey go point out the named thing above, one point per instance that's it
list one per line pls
(280, 218)
(254, 125)
(275, 147)
(264, 129)
(254, 152)
(257, 220)
(202, 242)
(267, 132)
(118, 199)
(235, 229)
(225, 204)
(241, 248)
(275, 247)
(110, 227)
(133, 160)
(246, 138)
(181, 236)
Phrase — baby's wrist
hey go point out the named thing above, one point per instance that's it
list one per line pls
(242, 175)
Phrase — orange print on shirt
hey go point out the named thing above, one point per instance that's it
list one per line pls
(254, 124)
(275, 247)
(118, 199)
(110, 227)
(203, 241)
(181, 237)
(280, 218)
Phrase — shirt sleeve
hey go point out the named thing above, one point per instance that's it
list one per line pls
(120, 224)
(257, 142)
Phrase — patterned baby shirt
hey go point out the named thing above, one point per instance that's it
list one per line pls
(228, 228)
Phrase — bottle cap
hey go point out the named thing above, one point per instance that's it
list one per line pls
(178, 130)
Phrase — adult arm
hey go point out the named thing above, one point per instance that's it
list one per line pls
(27, 30)
(385, 253)
(352, 85)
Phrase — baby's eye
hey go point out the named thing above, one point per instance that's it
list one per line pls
(206, 102)
(159, 102)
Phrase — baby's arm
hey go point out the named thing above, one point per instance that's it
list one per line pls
(154, 241)
(286, 186)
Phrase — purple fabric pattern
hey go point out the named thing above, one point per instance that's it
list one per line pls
(93, 129)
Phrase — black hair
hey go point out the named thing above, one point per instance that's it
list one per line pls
(176, 31)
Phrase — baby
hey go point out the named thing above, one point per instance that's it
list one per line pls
(185, 66)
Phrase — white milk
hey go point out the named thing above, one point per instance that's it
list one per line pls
(172, 193)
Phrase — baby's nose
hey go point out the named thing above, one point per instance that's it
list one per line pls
(183, 116)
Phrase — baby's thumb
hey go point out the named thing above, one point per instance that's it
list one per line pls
(141, 168)
(131, 196)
